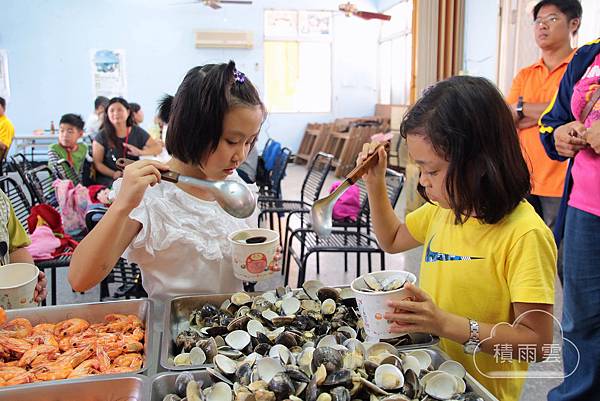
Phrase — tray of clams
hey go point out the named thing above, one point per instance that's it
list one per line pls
(376, 373)
(206, 330)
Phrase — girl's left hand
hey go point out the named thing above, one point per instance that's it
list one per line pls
(134, 151)
(40, 289)
(276, 266)
(419, 315)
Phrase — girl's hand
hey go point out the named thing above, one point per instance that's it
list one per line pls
(117, 174)
(132, 150)
(592, 136)
(418, 315)
(276, 266)
(376, 172)
(569, 138)
(40, 288)
(136, 178)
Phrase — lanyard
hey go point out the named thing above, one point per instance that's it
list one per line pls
(126, 142)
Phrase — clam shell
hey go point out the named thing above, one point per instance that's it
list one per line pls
(424, 359)
(269, 314)
(182, 359)
(197, 356)
(371, 282)
(348, 331)
(219, 392)
(225, 364)
(442, 386)
(238, 339)
(410, 362)
(327, 341)
(311, 287)
(389, 377)
(454, 368)
(240, 298)
(268, 367)
(254, 327)
(328, 306)
(270, 296)
(281, 352)
(290, 306)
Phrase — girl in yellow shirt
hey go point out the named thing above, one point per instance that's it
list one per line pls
(489, 262)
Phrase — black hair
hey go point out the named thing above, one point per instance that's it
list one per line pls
(571, 8)
(2, 102)
(108, 128)
(206, 93)
(101, 101)
(73, 119)
(164, 107)
(468, 123)
(135, 107)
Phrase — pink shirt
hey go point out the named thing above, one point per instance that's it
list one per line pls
(585, 194)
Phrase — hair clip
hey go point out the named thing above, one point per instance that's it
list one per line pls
(239, 76)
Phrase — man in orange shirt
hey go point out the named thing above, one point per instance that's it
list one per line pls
(554, 23)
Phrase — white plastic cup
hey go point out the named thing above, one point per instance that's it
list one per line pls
(253, 262)
(373, 305)
(17, 285)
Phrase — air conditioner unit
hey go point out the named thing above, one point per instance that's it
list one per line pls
(224, 39)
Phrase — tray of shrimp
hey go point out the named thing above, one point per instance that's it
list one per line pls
(74, 341)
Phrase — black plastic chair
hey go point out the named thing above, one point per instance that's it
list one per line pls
(277, 174)
(340, 240)
(21, 164)
(41, 179)
(65, 171)
(124, 273)
(22, 209)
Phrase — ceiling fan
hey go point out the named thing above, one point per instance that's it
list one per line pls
(350, 9)
(216, 4)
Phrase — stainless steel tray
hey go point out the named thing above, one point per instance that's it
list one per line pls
(108, 388)
(177, 312)
(93, 313)
(164, 383)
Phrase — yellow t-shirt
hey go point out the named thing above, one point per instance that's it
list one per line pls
(7, 131)
(17, 236)
(478, 270)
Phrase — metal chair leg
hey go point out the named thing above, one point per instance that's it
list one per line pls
(382, 260)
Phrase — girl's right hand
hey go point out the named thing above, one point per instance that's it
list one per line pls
(569, 139)
(136, 178)
(377, 171)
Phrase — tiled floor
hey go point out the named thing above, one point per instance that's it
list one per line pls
(332, 273)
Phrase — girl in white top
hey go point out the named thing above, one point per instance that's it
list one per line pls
(176, 233)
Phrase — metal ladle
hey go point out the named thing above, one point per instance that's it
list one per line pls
(233, 197)
(322, 210)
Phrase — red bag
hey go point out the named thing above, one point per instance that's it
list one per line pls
(52, 218)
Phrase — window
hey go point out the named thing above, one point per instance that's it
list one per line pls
(297, 51)
(395, 55)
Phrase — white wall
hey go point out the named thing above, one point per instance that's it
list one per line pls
(48, 44)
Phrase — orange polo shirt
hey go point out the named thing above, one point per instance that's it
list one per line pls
(537, 84)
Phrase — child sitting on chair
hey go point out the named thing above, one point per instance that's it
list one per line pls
(71, 130)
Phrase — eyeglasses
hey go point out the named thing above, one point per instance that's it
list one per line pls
(548, 21)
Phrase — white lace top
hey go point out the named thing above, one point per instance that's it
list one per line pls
(182, 247)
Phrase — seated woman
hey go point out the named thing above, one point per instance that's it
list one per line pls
(70, 131)
(119, 137)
